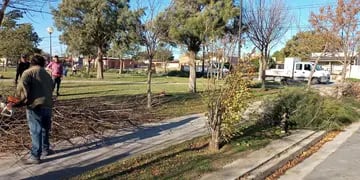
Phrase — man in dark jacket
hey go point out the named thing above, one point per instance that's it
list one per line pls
(35, 92)
(21, 67)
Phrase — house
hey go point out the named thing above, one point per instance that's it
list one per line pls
(164, 66)
(112, 63)
(333, 61)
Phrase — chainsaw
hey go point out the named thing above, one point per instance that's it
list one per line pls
(6, 107)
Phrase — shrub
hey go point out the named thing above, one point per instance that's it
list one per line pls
(182, 74)
(307, 109)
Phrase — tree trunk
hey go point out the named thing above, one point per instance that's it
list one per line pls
(344, 69)
(264, 58)
(88, 66)
(214, 144)
(203, 62)
(215, 120)
(260, 69)
(192, 76)
(262, 65)
(313, 69)
(100, 73)
(263, 77)
(149, 83)
(121, 69)
(3, 9)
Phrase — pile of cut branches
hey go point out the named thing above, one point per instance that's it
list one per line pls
(79, 118)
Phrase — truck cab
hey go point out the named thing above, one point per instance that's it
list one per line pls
(302, 71)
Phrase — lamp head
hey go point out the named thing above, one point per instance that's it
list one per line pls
(50, 30)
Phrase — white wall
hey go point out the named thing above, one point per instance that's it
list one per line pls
(353, 72)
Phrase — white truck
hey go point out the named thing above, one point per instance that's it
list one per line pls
(297, 70)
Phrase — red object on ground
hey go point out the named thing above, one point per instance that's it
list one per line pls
(12, 99)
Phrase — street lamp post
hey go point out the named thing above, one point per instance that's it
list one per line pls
(50, 30)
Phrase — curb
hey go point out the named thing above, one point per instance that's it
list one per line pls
(283, 157)
(263, 162)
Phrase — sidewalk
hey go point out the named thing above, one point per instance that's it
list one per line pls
(70, 160)
(337, 159)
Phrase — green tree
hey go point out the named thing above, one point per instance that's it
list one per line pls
(93, 23)
(17, 38)
(304, 43)
(121, 51)
(279, 56)
(191, 22)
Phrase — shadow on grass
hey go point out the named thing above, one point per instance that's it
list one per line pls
(196, 159)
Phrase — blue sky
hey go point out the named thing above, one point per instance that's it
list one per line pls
(299, 10)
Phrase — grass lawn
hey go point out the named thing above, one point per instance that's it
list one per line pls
(179, 102)
(187, 160)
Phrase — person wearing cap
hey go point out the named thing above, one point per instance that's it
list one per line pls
(56, 69)
(21, 67)
(34, 91)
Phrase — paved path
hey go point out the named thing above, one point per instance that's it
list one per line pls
(338, 159)
(70, 160)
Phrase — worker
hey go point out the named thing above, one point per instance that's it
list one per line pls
(34, 91)
(21, 67)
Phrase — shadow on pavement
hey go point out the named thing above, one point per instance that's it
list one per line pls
(138, 134)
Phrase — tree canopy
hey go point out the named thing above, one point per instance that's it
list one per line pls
(93, 23)
(17, 38)
(190, 23)
(307, 42)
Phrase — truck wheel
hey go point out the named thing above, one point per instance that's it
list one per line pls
(314, 81)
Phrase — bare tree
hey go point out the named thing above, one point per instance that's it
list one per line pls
(342, 22)
(267, 23)
(151, 34)
(29, 6)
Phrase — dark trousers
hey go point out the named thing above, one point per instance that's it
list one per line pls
(57, 81)
(39, 120)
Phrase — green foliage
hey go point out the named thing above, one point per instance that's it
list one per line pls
(191, 23)
(228, 102)
(309, 110)
(279, 56)
(304, 43)
(178, 73)
(90, 26)
(236, 94)
(17, 38)
(196, 20)
(182, 73)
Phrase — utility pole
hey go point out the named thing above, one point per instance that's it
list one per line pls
(240, 30)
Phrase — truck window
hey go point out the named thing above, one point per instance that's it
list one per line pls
(307, 67)
(298, 66)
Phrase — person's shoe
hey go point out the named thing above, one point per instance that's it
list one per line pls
(48, 152)
(30, 160)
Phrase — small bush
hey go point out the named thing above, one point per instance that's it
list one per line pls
(308, 109)
(182, 74)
